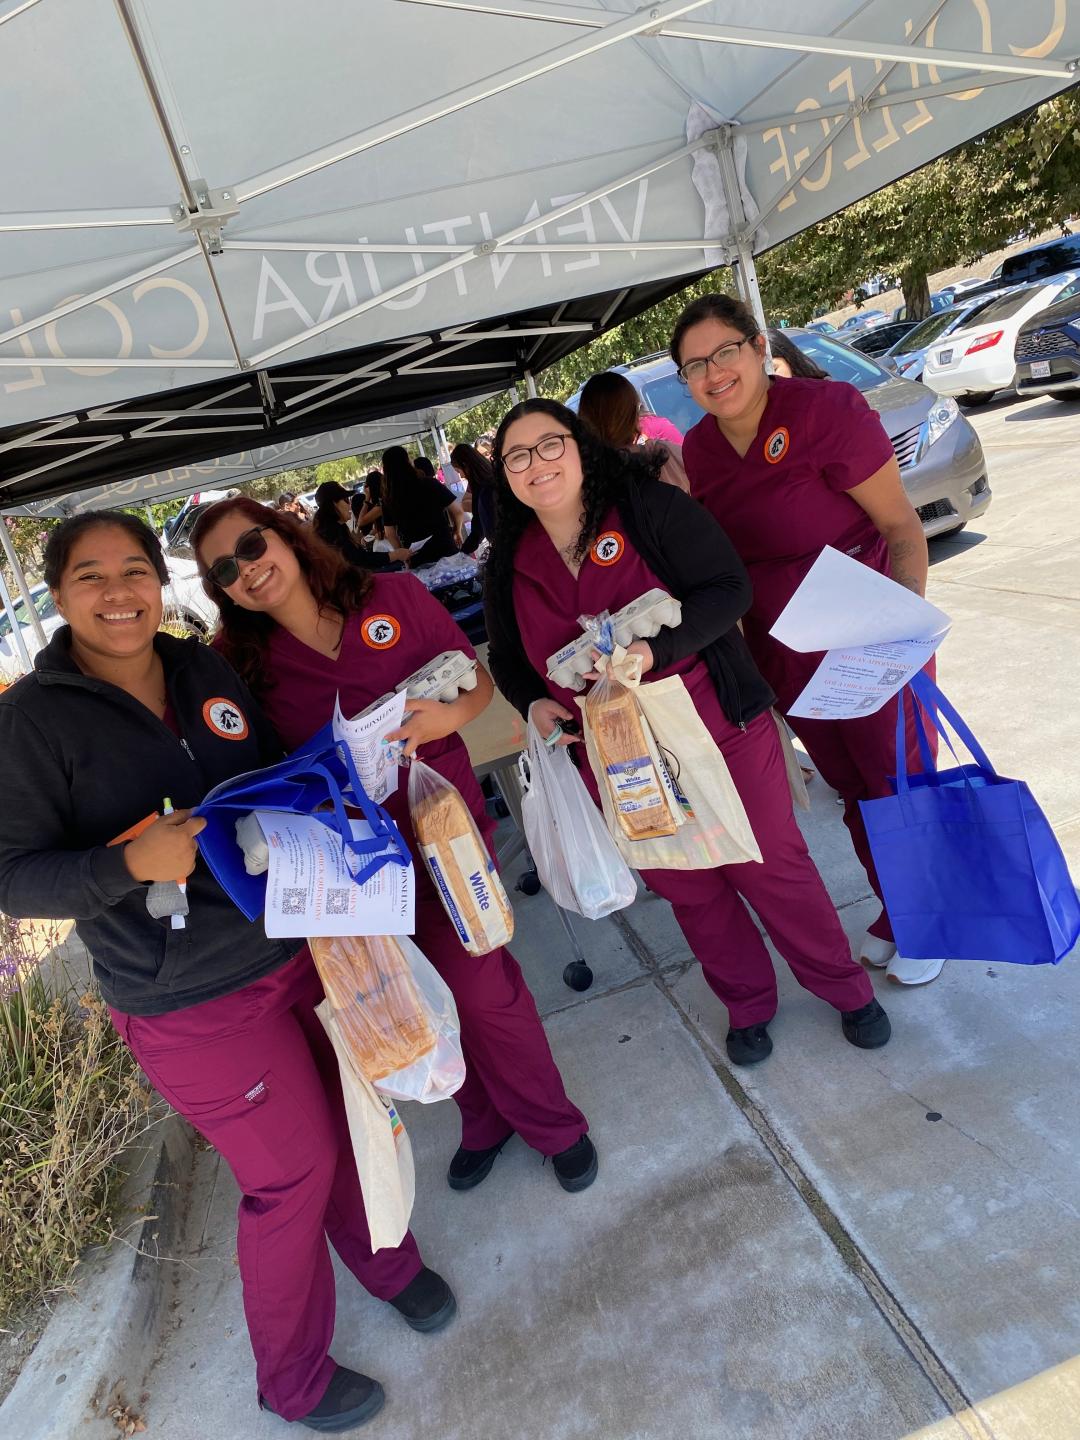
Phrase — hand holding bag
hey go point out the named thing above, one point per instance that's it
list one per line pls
(576, 859)
(969, 866)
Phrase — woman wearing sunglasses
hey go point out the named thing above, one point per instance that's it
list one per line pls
(302, 630)
(584, 528)
(115, 717)
(789, 465)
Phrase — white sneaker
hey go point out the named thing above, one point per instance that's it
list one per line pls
(913, 972)
(876, 952)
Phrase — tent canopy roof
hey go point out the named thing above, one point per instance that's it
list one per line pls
(306, 213)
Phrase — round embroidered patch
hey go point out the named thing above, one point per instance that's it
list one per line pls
(608, 548)
(776, 446)
(225, 719)
(381, 632)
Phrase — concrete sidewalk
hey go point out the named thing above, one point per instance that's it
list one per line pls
(835, 1244)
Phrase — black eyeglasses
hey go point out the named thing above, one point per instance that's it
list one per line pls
(550, 448)
(725, 355)
(250, 546)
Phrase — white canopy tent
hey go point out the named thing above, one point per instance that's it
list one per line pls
(228, 225)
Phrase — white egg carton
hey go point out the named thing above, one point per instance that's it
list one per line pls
(639, 620)
(443, 678)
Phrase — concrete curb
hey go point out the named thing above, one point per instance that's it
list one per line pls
(100, 1342)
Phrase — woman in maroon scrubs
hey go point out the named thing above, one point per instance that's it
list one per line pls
(584, 528)
(303, 629)
(788, 466)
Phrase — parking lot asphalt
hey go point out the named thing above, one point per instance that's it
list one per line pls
(835, 1244)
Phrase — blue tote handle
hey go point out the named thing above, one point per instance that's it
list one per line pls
(383, 828)
(927, 697)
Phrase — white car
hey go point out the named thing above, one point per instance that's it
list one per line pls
(975, 362)
(185, 606)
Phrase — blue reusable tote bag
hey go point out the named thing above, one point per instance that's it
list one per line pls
(969, 866)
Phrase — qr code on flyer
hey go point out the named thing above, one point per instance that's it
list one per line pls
(293, 901)
(337, 902)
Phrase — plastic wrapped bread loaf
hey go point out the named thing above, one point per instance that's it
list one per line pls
(639, 794)
(370, 987)
(458, 862)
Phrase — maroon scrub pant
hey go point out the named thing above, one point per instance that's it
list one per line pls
(856, 758)
(784, 889)
(511, 1079)
(256, 1074)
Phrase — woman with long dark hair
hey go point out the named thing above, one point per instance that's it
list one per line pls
(305, 631)
(611, 407)
(583, 528)
(417, 507)
(115, 717)
(332, 524)
(789, 466)
(480, 474)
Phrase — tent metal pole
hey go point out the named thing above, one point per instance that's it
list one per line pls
(530, 385)
(20, 580)
(729, 174)
(13, 621)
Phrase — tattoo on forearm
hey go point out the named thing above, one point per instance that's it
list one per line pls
(901, 552)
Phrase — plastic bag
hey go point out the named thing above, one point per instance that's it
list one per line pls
(636, 781)
(395, 1014)
(458, 862)
(380, 1145)
(575, 857)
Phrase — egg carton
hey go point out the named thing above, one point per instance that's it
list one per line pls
(443, 678)
(639, 620)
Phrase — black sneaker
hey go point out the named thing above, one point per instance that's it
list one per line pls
(868, 1027)
(350, 1400)
(427, 1302)
(748, 1046)
(576, 1167)
(469, 1167)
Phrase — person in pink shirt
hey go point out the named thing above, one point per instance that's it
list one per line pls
(789, 466)
(305, 630)
(658, 427)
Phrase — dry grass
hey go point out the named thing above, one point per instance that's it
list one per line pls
(71, 1103)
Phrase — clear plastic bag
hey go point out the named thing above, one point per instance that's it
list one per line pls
(458, 862)
(395, 1014)
(575, 857)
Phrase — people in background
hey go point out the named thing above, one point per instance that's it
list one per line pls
(333, 524)
(789, 362)
(479, 499)
(116, 716)
(611, 407)
(485, 444)
(561, 490)
(789, 466)
(415, 509)
(289, 502)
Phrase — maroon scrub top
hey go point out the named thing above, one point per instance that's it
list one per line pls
(786, 499)
(400, 628)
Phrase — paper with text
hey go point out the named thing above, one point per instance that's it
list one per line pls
(374, 761)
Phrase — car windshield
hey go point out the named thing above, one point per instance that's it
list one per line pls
(925, 332)
(1049, 260)
(843, 363)
(43, 603)
(667, 396)
(1007, 305)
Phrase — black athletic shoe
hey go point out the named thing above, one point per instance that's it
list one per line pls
(469, 1167)
(576, 1167)
(868, 1028)
(350, 1400)
(427, 1303)
(748, 1046)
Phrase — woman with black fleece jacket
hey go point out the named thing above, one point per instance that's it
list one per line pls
(582, 528)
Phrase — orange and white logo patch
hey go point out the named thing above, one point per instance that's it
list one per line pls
(226, 719)
(608, 548)
(381, 632)
(776, 446)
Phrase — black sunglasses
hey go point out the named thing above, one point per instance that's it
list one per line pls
(250, 546)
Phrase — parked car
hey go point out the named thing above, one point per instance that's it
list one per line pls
(961, 287)
(1037, 262)
(941, 460)
(861, 320)
(907, 356)
(977, 361)
(1047, 351)
(880, 338)
(939, 300)
(821, 327)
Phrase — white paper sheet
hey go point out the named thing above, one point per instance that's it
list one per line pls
(842, 603)
(419, 544)
(364, 734)
(309, 890)
(859, 681)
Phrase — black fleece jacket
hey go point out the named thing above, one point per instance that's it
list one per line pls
(83, 762)
(694, 560)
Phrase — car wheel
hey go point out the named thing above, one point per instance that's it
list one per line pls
(978, 397)
(948, 534)
(1065, 396)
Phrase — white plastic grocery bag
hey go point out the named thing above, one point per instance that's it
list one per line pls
(384, 1160)
(717, 830)
(575, 857)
